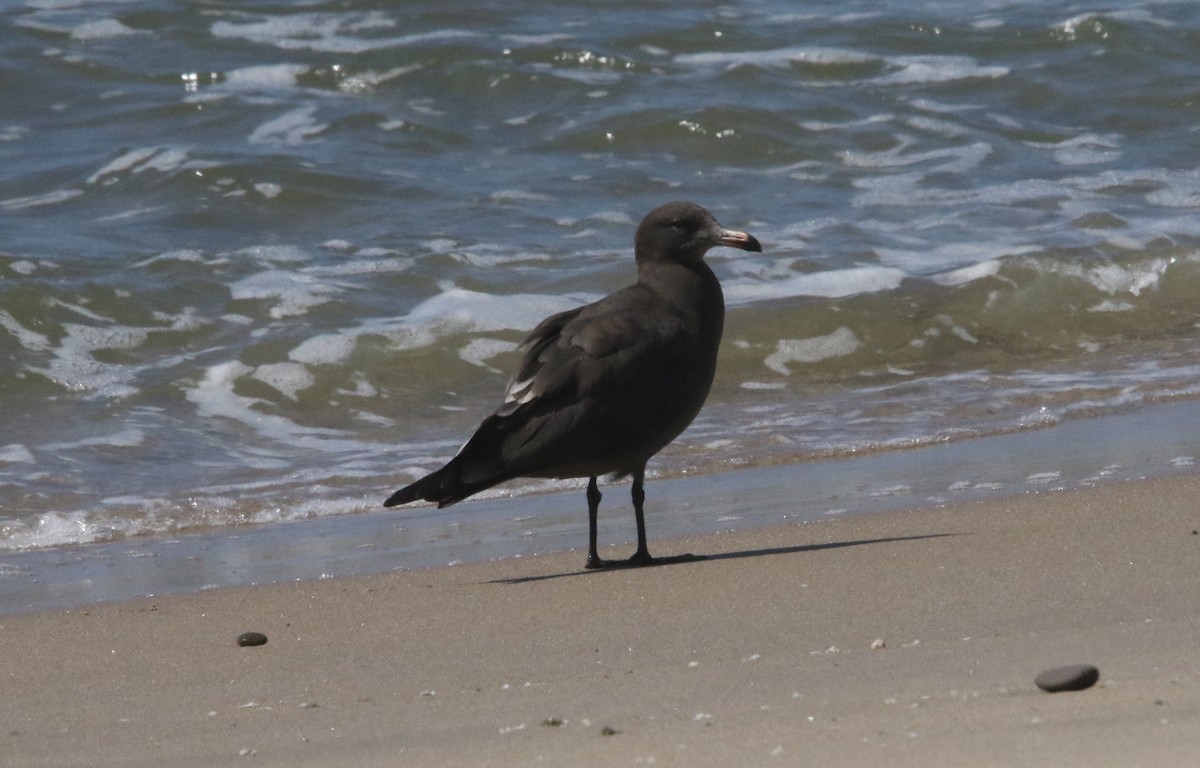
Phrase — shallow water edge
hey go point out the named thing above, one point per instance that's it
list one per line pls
(1146, 442)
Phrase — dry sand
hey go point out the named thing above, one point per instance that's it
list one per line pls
(761, 655)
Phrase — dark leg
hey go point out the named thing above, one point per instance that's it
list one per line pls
(642, 556)
(638, 494)
(593, 497)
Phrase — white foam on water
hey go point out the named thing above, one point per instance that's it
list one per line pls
(479, 351)
(940, 108)
(1111, 278)
(123, 163)
(819, 126)
(126, 438)
(518, 196)
(969, 274)
(214, 396)
(1119, 178)
(75, 368)
(454, 311)
(370, 79)
(1089, 149)
(1181, 190)
(31, 340)
(276, 253)
(263, 77)
(15, 453)
(619, 218)
(831, 284)
(292, 128)
(462, 310)
(81, 311)
(366, 266)
(102, 29)
(295, 293)
(124, 516)
(330, 348)
(762, 385)
(162, 159)
(1042, 478)
(956, 329)
(1094, 22)
(914, 70)
(373, 418)
(937, 258)
(959, 159)
(488, 255)
(329, 32)
(362, 388)
(34, 201)
(778, 57)
(287, 378)
(49, 529)
(537, 40)
(1083, 149)
(811, 350)
(1109, 305)
(188, 255)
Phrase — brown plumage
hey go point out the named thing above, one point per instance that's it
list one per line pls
(602, 388)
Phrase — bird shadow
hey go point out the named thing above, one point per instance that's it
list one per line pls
(738, 555)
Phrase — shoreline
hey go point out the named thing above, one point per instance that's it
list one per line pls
(759, 653)
(1160, 440)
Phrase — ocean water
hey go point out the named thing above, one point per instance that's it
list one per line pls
(266, 262)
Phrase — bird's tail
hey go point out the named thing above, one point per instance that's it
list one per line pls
(445, 487)
(478, 465)
(442, 486)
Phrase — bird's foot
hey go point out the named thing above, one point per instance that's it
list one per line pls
(640, 560)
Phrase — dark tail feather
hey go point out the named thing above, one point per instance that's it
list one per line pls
(480, 460)
(441, 486)
(445, 486)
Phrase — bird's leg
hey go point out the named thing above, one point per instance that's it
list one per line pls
(638, 494)
(642, 556)
(593, 498)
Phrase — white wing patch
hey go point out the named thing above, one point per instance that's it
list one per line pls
(521, 391)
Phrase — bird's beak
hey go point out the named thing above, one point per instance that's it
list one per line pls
(736, 239)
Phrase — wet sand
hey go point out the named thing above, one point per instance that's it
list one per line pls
(905, 639)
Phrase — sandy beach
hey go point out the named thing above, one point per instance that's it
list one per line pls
(905, 639)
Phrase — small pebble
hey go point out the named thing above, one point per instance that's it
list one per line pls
(1074, 677)
(247, 639)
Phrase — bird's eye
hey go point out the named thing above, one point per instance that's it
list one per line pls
(679, 225)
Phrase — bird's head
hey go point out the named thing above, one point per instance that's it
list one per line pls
(682, 232)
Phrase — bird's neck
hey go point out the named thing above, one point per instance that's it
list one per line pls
(692, 290)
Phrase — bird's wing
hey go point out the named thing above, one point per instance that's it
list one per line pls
(585, 352)
(592, 384)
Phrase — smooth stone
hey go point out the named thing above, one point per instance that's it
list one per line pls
(1073, 677)
(247, 639)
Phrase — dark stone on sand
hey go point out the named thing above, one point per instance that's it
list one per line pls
(247, 639)
(1073, 677)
